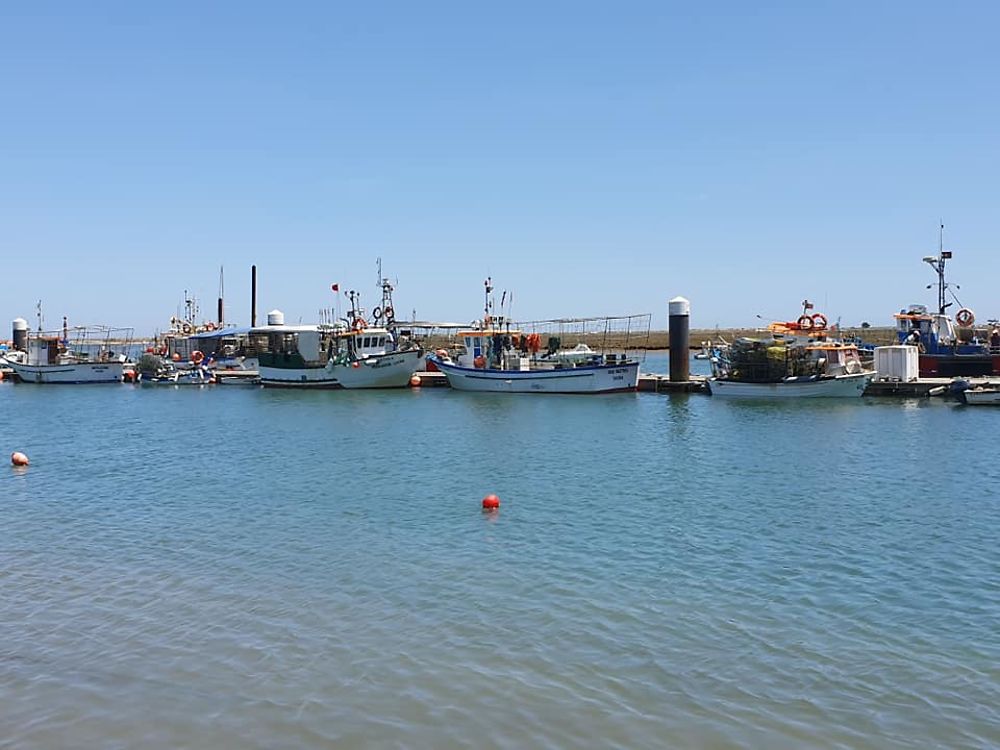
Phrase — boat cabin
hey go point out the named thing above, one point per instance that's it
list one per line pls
(301, 346)
(934, 333)
(46, 350)
(836, 359)
(51, 349)
(494, 349)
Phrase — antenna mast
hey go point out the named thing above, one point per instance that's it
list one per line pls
(937, 262)
(941, 284)
(486, 307)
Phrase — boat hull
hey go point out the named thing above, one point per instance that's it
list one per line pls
(589, 379)
(842, 386)
(384, 371)
(981, 397)
(175, 380)
(75, 374)
(959, 365)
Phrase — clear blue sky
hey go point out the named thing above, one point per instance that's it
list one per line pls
(593, 157)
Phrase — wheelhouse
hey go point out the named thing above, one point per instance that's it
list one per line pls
(314, 346)
(485, 347)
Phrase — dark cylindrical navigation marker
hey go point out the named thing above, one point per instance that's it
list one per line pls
(680, 314)
(253, 296)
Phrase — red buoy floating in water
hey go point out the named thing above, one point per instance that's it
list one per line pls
(491, 502)
(415, 380)
(19, 459)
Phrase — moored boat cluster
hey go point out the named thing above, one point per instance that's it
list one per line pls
(805, 357)
(359, 350)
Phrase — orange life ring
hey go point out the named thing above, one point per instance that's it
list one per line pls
(197, 357)
(805, 323)
(210, 326)
(479, 362)
(819, 321)
(360, 324)
(965, 317)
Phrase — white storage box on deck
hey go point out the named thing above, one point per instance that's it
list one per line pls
(897, 363)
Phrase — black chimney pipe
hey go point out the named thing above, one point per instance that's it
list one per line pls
(253, 296)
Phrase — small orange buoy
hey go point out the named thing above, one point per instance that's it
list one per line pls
(415, 380)
(19, 459)
(491, 502)
(355, 364)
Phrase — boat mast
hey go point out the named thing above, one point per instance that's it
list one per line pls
(937, 263)
(190, 309)
(488, 284)
(387, 289)
(355, 313)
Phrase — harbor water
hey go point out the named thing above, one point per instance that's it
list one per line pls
(236, 567)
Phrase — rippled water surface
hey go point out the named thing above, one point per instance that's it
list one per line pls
(248, 568)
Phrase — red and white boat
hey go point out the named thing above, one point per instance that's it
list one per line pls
(495, 356)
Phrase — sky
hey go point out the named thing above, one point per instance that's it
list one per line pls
(593, 158)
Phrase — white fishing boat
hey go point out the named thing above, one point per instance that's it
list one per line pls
(349, 353)
(83, 354)
(987, 394)
(495, 356)
(799, 360)
(604, 378)
(839, 386)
